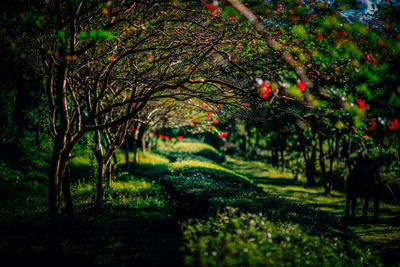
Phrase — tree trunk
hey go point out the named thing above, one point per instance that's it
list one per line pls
(55, 174)
(58, 158)
(100, 183)
(66, 188)
(150, 144)
(109, 174)
(98, 152)
(327, 182)
(128, 166)
(144, 143)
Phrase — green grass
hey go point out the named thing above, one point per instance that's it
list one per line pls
(382, 237)
(190, 166)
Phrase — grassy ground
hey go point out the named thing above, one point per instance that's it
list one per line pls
(383, 236)
(135, 225)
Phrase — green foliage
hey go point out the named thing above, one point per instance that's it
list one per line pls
(194, 166)
(199, 149)
(233, 239)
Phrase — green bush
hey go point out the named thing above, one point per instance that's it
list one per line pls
(233, 239)
(199, 149)
(190, 167)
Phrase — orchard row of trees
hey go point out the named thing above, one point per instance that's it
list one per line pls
(301, 74)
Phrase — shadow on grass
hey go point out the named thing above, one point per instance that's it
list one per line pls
(126, 232)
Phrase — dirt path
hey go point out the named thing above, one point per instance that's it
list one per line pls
(382, 237)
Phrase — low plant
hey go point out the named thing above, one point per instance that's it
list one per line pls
(233, 239)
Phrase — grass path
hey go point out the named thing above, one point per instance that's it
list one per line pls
(382, 237)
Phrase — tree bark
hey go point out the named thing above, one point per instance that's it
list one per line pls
(326, 179)
(66, 188)
(98, 152)
(128, 166)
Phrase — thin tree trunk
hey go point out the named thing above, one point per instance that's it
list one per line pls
(98, 152)
(128, 166)
(327, 182)
(109, 174)
(100, 183)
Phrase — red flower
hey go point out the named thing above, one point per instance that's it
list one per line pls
(387, 26)
(132, 129)
(265, 89)
(160, 136)
(210, 6)
(360, 103)
(179, 138)
(342, 33)
(279, 8)
(319, 36)
(301, 85)
(214, 122)
(394, 125)
(166, 138)
(373, 124)
(223, 134)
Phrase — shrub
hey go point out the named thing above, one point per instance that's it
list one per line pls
(233, 239)
(189, 167)
(199, 149)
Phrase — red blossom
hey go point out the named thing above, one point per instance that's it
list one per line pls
(319, 36)
(210, 6)
(264, 89)
(373, 124)
(132, 129)
(179, 137)
(166, 138)
(394, 124)
(279, 8)
(160, 136)
(215, 122)
(361, 103)
(301, 85)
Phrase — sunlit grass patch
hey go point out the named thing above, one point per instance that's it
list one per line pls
(198, 149)
(313, 196)
(151, 158)
(124, 189)
(258, 169)
(190, 166)
(192, 147)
